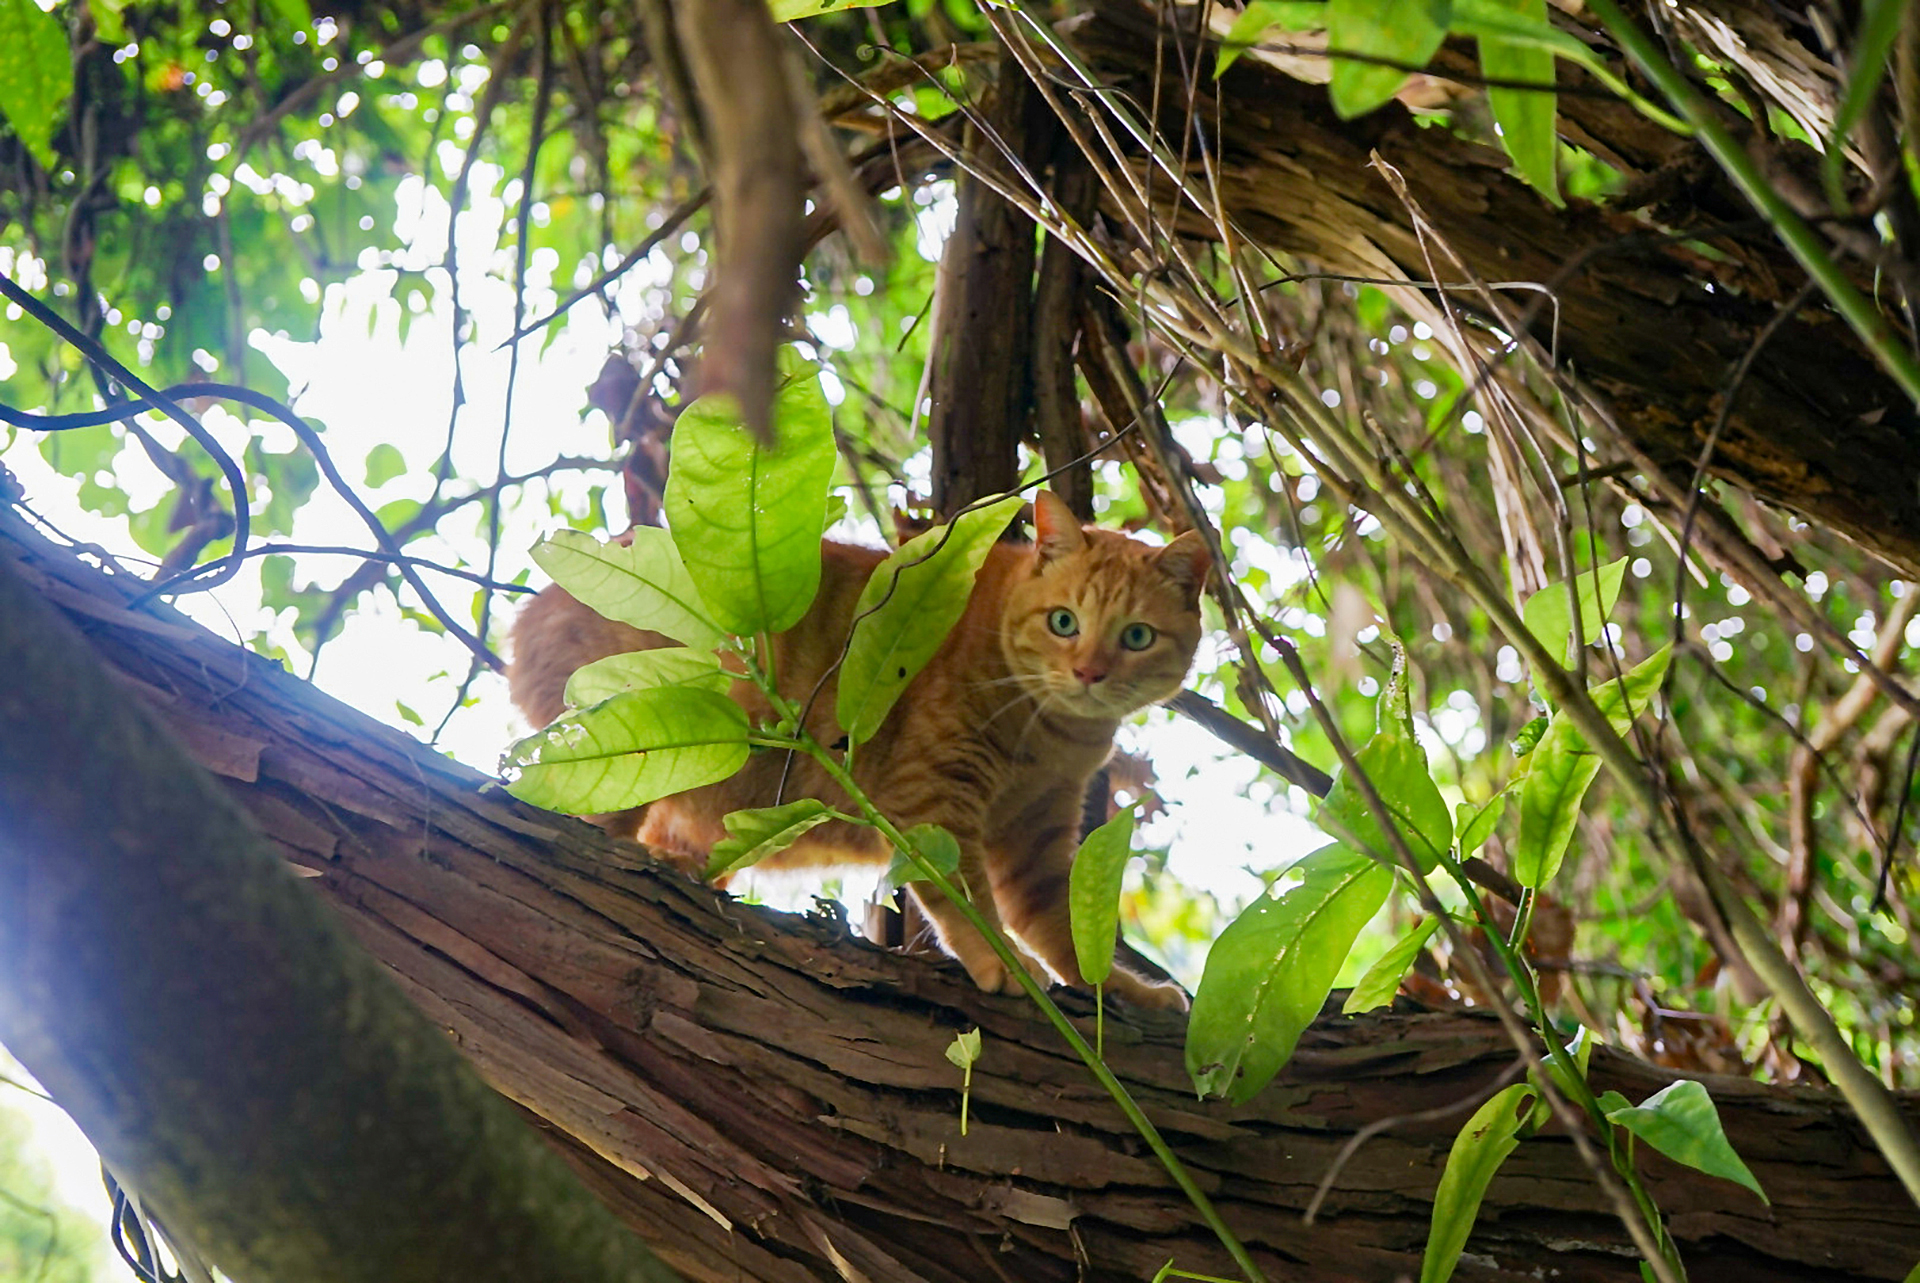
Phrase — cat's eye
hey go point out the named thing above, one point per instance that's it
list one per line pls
(1061, 623)
(1137, 636)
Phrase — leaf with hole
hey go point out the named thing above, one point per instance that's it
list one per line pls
(753, 835)
(1397, 768)
(1680, 1121)
(1389, 38)
(629, 750)
(646, 670)
(1482, 1145)
(642, 583)
(1563, 766)
(1382, 980)
(747, 516)
(1093, 894)
(913, 600)
(1269, 973)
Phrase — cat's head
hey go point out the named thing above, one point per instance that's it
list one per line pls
(1104, 624)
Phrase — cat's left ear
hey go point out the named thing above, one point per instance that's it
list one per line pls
(1056, 530)
(1186, 561)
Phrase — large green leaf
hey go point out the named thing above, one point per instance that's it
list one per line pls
(1390, 36)
(646, 670)
(1482, 1145)
(1270, 971)
(1093, 894)
(906, 610)
(1397, 767)
(642, 583)
(1549, 612)
(1382, 980)
(1680, 1121)
(628, 750)
(1562, 767)
(747, 516)
(1525, 116)
(36, 74)
(754, 835)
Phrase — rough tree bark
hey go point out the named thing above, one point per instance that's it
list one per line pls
(1643, 316)
(765, 1098)
(236, 1059)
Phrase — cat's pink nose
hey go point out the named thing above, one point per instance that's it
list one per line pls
(1090, 674)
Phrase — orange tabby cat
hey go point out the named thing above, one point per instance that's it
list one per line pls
(996, 738)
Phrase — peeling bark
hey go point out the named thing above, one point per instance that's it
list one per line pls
(1644, 317)
(765, 1098)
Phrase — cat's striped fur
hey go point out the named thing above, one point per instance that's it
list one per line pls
(996, 738)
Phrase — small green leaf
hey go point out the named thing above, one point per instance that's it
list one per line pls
(1391, 36)
(1394, 710)
(753, 835)
(1525, 116)
(1263, 16)
(1269, 973)
(1581, 1049)
(643, 583)
(836, 509)
(36, 74)
(1475, 827)
(628, 750)
(1093, 894)
(1382, 981)
(1680, 1121)
(1549, 613)
(1482, 1145)
(1397, 768)
(964, 1050)
(646, 670)
(1562, 767)
(747, 517)
(906, 610)
(791, 10)
(933, 844)
(384, 463)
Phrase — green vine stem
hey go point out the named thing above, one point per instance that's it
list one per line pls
(1004, 951)
(1574, 1083)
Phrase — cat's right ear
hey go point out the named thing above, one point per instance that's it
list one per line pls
(1056, 530)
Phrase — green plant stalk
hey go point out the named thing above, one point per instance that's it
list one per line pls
(1576, 1086)
(1793, 231)
(1870, 1098)
(1015, 968)
(1631, 1216)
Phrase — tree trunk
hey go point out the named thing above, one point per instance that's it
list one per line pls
(764, 1097)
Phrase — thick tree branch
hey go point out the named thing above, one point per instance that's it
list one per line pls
(267, 1089)
(787, 1083)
